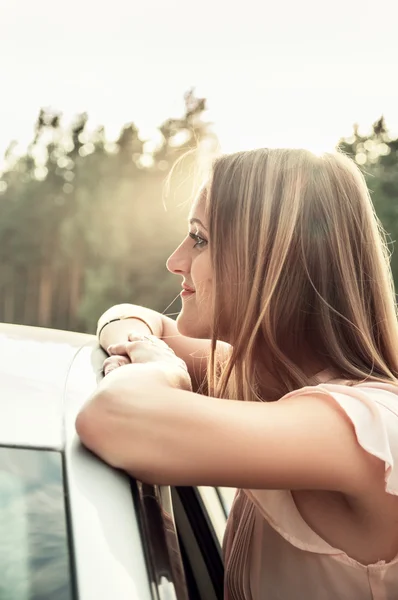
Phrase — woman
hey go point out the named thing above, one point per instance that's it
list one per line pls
(287, 306)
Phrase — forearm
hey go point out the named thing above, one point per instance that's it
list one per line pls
(146, 429)
(194, 352)
(118, 330)
(100, 422)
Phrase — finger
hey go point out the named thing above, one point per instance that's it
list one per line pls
(115, 364)
(138, 337)
(124, 348)
(109, 369)
(128, 349)
(121, 349)
(152, 339)
(117, 361)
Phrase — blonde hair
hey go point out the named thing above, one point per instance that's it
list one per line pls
(300, 262)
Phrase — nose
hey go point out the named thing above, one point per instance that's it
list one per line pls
(179, 262)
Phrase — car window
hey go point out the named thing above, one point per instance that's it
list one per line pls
(34, 555)
(227, 496)
(217, 502)
(200, 523)
(215, 510)
(154, 509)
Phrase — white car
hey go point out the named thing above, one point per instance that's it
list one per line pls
(71, 527)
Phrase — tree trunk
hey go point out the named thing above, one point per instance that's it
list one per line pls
(30, 299)
(9, 300)
(45, 296)
(74, 294)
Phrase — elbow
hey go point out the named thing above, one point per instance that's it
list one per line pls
(82, 425)
(90, 423)
(105, 428)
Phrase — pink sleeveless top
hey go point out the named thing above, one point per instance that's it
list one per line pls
(270, 553)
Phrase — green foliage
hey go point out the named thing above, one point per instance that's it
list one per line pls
(82, 220)
(377, 156)
(83, 223)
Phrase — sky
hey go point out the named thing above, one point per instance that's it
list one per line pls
(281, 73)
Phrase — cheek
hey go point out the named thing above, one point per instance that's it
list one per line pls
(201, 274)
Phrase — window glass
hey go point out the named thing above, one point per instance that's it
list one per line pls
(217, 502)
(34, 553)
(227, 496)
(215, 510)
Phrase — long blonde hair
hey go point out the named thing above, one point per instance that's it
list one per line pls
(300, 261)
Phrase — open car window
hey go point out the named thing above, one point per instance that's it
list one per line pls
(215, 511)
(34, 546)
(154, 508)
(226, 496)
(200, 522)
(217, 502)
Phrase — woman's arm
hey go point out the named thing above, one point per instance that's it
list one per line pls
(138, 421)
(194, 352)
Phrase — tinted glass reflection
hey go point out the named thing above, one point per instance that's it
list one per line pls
(34, 555)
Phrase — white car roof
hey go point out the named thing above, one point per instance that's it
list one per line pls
(35, 367)
(45, 377)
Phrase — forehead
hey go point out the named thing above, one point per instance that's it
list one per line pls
(198, 208)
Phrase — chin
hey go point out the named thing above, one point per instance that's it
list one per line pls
(192, 328)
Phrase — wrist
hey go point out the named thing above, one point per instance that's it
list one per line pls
(101, 325)
(118, 331)
(118, 321)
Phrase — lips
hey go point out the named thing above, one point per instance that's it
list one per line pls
(187, 291)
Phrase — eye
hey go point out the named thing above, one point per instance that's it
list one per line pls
(199, 241)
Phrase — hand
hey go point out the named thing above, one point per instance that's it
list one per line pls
(120, 352)
(114, 362)
(145, 349)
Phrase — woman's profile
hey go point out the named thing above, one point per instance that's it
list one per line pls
(278, 378)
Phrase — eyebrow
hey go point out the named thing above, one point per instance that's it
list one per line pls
(193, 221)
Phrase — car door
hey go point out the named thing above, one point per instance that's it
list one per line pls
(154, 510)
(200, 520)
(125, 542)
(176, 530)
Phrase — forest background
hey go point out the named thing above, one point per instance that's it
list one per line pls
(86, 223)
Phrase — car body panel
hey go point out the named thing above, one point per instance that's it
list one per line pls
(34, 368)
(46, 376)
(109, 555)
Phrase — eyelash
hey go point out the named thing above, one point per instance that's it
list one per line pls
(200, 242)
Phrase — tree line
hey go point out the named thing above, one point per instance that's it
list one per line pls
(86, 223)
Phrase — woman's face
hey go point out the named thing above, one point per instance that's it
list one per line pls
(191, 260)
